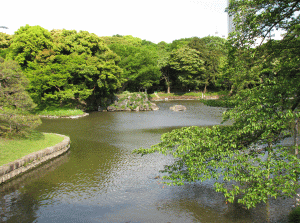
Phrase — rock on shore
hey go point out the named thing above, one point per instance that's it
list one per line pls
(131, 102)
(178, 108)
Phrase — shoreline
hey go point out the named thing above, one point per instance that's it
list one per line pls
(169, 98)
(32, 160)
(69, 117)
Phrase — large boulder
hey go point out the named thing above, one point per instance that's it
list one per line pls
(178, 108)
(154, 107)
(111, 108)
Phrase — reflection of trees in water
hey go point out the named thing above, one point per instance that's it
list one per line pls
(202, 204)
(34, 174)
(18, 207)
(19, 197)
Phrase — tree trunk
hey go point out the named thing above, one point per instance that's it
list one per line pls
(204, 89)
(168, 91)
(296, 137)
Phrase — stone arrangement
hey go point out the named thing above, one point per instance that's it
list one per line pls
(131, 102)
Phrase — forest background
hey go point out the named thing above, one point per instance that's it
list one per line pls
(70, 68)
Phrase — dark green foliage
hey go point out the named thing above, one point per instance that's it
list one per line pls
(224, 102)
(213, 52)
(15, 102)
(294, 216)
(189, 67)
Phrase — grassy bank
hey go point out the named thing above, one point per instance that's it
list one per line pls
(11, 150)
(223, 102)
(191, 93)
(60, 112)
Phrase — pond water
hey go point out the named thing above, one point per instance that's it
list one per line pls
(99, 180)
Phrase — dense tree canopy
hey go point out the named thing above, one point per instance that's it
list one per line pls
(212, 51)
(65, 67)
(138, 62)
(189, 67)
(70, 68)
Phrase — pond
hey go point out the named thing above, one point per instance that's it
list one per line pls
(99, 180)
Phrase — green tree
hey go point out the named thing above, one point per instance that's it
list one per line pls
(163, 50)
(5, 41)
(66, 67)
(138, 62)
(246, 158)
(213, 52)
(28, 42)
(15, 102)
(189, 67)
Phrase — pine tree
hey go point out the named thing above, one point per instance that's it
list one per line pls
(15, 103)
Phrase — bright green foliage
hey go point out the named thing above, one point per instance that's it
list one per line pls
(189, 67)
(179, 43)
(139, 62)
(5, 41)
(66, 67)
(28, 42)
(246, 159)
(15, 102)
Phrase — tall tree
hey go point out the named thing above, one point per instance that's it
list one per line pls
(164, 51)
(15, 102)
(212, 51)
(189, 67)
(138, 61)
(246, 158)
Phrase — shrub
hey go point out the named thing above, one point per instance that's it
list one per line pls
(294, 216)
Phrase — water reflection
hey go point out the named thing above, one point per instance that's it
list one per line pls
(99, 180)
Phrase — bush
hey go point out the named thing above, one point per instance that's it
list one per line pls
(294, 216)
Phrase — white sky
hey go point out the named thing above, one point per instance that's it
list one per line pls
(153, 20)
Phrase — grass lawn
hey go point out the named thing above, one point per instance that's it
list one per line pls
(11, 150)
(60, 112)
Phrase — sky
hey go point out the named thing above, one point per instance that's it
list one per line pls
(155, 20)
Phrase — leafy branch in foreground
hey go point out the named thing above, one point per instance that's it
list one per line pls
(246, 159)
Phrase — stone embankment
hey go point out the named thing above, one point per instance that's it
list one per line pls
(12, 169)
(70, 117)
